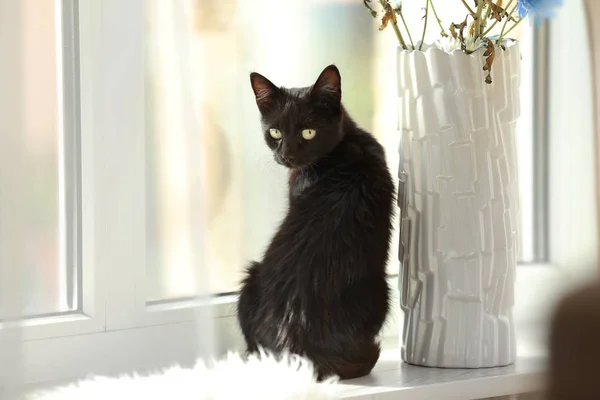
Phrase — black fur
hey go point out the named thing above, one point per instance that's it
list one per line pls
(321, 290)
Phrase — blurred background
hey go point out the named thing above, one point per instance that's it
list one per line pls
(245, 191)
(199, 114)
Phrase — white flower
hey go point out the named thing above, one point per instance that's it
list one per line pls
(447, 44)
(472, 43)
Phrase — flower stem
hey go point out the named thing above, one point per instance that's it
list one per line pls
(387, 8)
(488, 30)
(425, 23)
(484, 34)
(399, 36)
(407, 30)
(485, 20)
(513, 27)
(477, 30)
(469, 8)
(443, 32)
(499, 41)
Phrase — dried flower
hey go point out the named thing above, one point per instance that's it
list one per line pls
(489, 55)
(474, 32)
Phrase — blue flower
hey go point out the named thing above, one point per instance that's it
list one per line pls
(538, 10)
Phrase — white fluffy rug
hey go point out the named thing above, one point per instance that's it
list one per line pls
(264, 378)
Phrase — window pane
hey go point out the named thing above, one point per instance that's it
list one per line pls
(199, 56)
(48, 283)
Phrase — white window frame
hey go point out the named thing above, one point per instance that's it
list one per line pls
(92, 315)
(116, 331)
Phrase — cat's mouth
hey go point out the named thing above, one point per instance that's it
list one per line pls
(296, 162)
(288, 163)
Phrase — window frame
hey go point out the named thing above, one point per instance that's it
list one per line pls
(541, 36)
(89, 315)
(114, 314)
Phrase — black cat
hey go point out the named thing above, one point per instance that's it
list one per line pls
(321, 290)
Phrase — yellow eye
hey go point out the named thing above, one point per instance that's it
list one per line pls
(275, 133)
(309, 134)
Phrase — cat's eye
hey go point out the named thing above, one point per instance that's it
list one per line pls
(308, 134)
(275, 133)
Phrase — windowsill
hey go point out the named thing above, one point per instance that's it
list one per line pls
(393, 379)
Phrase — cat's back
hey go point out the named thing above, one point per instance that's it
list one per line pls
(353, 201)
(361, 159)
(371, 208)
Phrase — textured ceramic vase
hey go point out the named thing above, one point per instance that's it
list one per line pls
(459, 203)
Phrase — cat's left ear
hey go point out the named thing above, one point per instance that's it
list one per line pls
(264, 91)
(329, 84)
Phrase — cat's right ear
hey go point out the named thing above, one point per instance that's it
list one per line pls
(264, 91)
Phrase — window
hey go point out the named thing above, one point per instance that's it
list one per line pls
(135, 151)
(49, 170)
(201, 116)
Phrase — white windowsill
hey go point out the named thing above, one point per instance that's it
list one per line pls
(392, 379)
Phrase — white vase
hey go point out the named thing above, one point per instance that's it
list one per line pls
(458, 195)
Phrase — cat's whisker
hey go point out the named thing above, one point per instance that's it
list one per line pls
(267, 166)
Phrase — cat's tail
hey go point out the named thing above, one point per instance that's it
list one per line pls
(247, 306)
(346, 366)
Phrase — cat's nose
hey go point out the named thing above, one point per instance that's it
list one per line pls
(289, 158)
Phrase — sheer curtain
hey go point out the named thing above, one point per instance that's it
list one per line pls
(12, 213)
(184, 170)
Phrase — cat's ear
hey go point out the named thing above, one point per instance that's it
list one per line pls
(329, 85)
(264, 91)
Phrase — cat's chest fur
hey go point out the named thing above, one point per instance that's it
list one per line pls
(299, 180)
